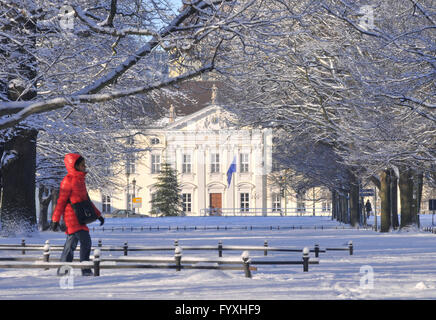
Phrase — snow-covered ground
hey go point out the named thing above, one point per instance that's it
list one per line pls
(402, 264)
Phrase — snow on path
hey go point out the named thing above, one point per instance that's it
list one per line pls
(403, 263)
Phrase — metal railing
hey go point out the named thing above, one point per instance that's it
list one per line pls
(98, 263)
(125, 248)
(262, 212)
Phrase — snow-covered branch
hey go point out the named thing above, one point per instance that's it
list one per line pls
(34, 107)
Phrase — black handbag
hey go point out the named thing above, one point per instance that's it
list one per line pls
(84, 211)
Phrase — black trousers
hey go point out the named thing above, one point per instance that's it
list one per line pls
(71, 244)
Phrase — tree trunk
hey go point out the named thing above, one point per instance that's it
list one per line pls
(333, 195)
(45, 198)
(354, 205)
(385, 198)
(408, 204)
(419, 180)
(394, 202)
(418, 191)
(54, 199)
(338, 207)
(18, 212)
(344, 209)
(362, 211)
(2, 147)
(341, 208)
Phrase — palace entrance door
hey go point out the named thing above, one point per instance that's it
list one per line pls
(215, 203)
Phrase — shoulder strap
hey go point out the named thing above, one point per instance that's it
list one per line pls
(68, 201)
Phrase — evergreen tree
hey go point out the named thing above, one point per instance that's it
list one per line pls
(167, 200)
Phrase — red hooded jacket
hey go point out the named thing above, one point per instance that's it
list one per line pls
(73, 188)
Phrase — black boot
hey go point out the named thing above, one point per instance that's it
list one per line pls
(87, 272)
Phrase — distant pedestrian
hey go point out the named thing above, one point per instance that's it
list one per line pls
(368, 208)
(73, 190)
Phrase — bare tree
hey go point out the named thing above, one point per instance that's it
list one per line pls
(88, 52)
(365, 91)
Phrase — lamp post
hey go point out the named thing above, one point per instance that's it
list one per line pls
(133, 194)
(313, 202)
(284, 185)
(128, 193)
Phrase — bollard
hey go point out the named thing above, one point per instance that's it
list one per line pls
(350, 247)
(316, 250)
(220, 249)
(125, 247)
(265, 244)
(99, 243)
(246, 263)
(178, 258)
(46, 254)
(305, 259)
(96, 262)
(23, 244)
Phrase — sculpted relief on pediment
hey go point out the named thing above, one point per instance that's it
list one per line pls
(216, 121)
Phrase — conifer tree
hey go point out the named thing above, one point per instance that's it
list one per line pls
(167, 200)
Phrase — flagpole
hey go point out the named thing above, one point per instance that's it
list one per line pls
(234, 197)
(230, 172)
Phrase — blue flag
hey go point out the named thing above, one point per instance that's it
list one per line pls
(232, 169)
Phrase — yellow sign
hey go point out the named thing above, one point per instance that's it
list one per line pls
(137, 200)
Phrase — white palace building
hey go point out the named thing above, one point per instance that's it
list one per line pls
(201, 146)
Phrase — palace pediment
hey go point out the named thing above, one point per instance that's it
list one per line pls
(210, 118)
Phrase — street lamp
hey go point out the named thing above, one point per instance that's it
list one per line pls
(283, 191)
(128, 193)
(133, 194)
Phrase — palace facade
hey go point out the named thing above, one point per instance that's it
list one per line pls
(201, 146)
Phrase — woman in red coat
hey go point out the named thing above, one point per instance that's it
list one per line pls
(73, 190)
